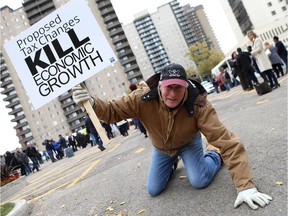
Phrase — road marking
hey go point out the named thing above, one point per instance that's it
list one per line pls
(139, 150)
(83, 174)
(50, 191)
(262, 102)
(89, 168)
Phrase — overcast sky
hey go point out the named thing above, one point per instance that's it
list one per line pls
(125, 10)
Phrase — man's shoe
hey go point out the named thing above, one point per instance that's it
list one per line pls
(101, 148)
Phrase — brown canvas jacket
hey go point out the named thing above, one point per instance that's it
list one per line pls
(171, 130)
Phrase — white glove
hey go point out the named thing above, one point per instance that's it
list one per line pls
(252, 195)
(80, 94)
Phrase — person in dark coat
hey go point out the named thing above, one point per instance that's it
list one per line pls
(94, 136)
(244, 64)
(10, 160)
(23, 160)
(49, 149)
(72, 142)
(31, 152)
(58, 149)
(281, 50)
(62, 142)
(275, 59)
(81, 140)
(108, 130)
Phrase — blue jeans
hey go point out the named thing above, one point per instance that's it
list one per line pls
(96, 140)
(200, 167)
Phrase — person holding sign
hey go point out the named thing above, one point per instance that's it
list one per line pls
(174, 110)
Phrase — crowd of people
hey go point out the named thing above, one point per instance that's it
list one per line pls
(26, 160)
(29, 160)
(267, 60)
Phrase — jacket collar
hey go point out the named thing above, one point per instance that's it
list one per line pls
(193, 90)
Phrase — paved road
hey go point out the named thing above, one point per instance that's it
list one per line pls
(113, 182)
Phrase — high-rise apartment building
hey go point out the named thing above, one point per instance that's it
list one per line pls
(267, 18)
(62, 115)
(164, 36)
(200, 27)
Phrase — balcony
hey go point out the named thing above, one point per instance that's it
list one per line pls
(67, 104)
(113, 24)
(81, 124)
(14, 111)
(110, 18)
(12, 104)
(116, 40)
(10, 97)
(133, 67)
(18, 118)
(20, 125)
(40, 10)
(65, 96)
(126, 53)
(123, 45)
(106, 11)
(20, 133)
(130, 59)
(5, 83)
(103, 4)
(66, 113)
(79, 116)
(137, 74)
(25, 140)
(3, 68)
(7, 90)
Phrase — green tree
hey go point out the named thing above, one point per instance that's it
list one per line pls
(204, 58)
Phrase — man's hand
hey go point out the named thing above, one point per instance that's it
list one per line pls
(252, 195)
(80, 94)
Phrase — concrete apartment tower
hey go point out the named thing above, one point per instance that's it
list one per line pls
(200, 27)
(164, 36)
(62, 115)
(266, 18)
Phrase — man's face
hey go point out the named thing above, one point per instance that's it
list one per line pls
(251, 36)
(173, 95)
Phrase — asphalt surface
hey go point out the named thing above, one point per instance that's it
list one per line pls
(113, 182)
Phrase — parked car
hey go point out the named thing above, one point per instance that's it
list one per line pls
(208, 86)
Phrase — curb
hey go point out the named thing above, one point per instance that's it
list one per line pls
(20, 208)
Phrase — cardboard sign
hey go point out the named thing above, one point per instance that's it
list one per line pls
(58, 52)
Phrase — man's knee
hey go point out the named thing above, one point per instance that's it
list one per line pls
(199, 183)
(153, 191)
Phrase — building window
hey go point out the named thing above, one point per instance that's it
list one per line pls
(273, 13)
(284, 8)
(269, 4)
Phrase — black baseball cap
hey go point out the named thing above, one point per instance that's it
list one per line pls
(173, 74)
